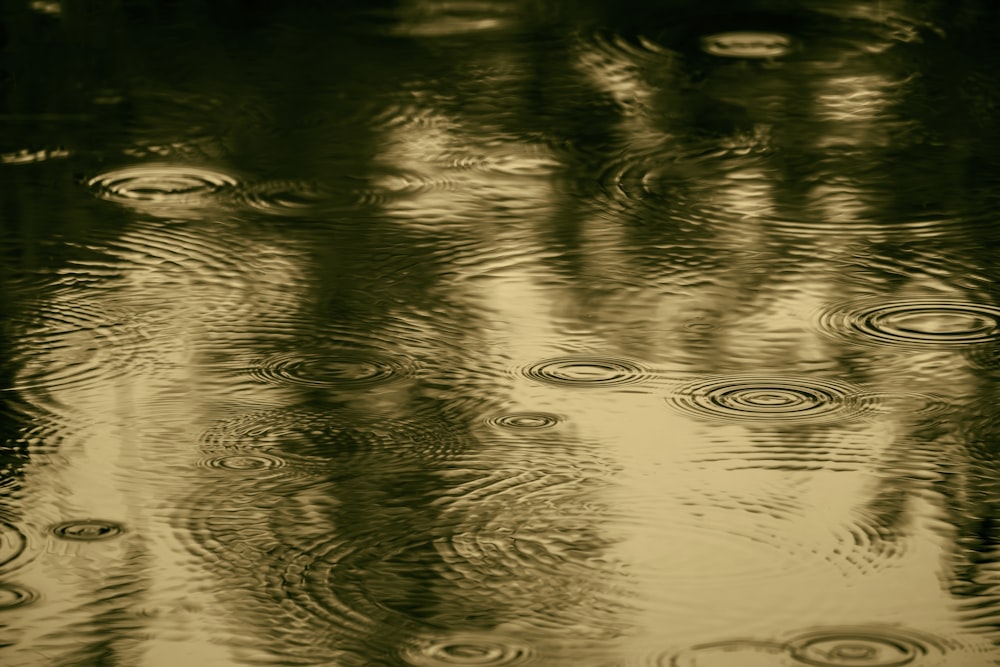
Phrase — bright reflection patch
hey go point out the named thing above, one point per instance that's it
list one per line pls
(163, 187)
(466, 649)
(747, 44)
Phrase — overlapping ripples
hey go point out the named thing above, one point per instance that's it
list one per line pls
(77, 343)
(486, 555)
(462, 193)
(726, 547)
(912, 323)
(660, 182)
(291, 198)
(908, 403)
(335, 438)
(297, 549)
(729, 184)
(42, 434)
(327, 582)
(612, 60)
(868, 543)
(502, 533)
(168, 189)
(290, 348)
(214, 274)
(290, 574)
(983, 357)
(515, 534)
(768, 398)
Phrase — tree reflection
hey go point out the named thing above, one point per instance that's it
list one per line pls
(424, 200)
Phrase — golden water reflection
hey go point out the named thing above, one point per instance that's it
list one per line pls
(440, 374)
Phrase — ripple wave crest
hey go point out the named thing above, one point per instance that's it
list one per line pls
(767, 398)
(466, 649)
(13, 596)
(587, 371)
(165, 187)
(87, 530)
(13, 544)
(912, 322)
(340, 368)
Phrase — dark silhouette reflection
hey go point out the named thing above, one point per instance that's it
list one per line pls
(418, 332)
(968, 486)
(918, 244)
(323, 316)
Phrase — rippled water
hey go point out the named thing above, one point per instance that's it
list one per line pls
(431, 333)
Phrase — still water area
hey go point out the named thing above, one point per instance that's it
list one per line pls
(500, 332)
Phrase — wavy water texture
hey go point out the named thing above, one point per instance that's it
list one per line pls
(336, 438)
(570, 333)
(81, 344)
(293, 199)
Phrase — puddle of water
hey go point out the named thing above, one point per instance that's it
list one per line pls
(500, 333)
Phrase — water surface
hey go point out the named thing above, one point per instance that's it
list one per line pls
(499, 333)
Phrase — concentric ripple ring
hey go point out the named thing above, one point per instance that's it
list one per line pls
(160, 184)
(861, 648)
(767, 398)
(525, 420)
(12, 543)
(13, 595)
(913, 322)
(87, 530)
(346, 368)
(586, 371)
(244, 462)
(465, 649)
